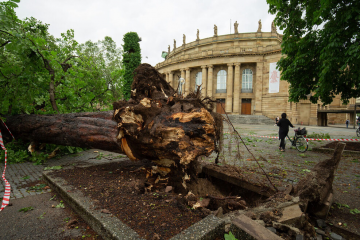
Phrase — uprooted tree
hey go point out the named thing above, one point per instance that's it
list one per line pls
(155, 124)
(158, 125)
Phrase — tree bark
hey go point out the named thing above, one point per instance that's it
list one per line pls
(87, 130)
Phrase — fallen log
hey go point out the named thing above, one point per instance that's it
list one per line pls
(87, 130)
(155, 124)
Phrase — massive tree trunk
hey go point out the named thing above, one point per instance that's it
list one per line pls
(87, 130)
(155, 124)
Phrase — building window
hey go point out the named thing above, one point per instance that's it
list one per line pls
(198, 80)
(221, 82)
(247, 81)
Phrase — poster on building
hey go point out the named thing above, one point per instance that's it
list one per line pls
(274, 78)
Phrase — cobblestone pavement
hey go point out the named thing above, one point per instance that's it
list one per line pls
(21, 174)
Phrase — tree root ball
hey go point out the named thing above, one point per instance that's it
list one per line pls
(158, 124)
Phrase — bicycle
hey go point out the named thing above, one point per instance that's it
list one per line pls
(299, 141)
(358, 131)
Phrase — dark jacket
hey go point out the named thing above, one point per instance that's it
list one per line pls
(284, 124)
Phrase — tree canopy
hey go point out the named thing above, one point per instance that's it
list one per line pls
(321, 47)
(43, 74)
(131, 60)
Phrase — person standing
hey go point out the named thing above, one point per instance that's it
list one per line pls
(358, 120)
(347, 123)
(283, 125)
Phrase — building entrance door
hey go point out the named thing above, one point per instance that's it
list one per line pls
(246, 106)
(220, 106)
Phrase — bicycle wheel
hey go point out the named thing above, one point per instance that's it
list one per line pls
(301, 144)
(358, 132)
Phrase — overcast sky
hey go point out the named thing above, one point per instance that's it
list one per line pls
(158, 22)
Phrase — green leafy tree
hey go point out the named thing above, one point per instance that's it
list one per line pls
(43, 74)
(321, 47)
(131, 60)
(108, 58)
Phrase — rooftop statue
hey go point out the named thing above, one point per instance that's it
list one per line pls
(215, 30)
(174, 44)
(184, 38)
(236, 27)
(260, 26)
(197, 35)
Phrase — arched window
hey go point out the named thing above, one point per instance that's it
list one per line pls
(221, 82)
(247, 81)
(198, 80)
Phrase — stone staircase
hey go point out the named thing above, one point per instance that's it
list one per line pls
(250, 119)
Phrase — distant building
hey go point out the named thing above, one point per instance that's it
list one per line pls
(239, 71)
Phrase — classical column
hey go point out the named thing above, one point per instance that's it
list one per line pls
(229, 88)
(167, 77)
(203, 81)
(237, 88)
(182, 73)
(187, 81)
(258, 87)
(210, 81)
(171, 80)
(313, 115)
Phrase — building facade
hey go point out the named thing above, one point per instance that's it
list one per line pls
(238, 71)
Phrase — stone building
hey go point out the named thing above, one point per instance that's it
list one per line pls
(239, 71)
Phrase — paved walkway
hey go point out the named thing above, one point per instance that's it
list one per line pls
(20, 174)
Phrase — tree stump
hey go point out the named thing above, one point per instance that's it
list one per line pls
(316, 187)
